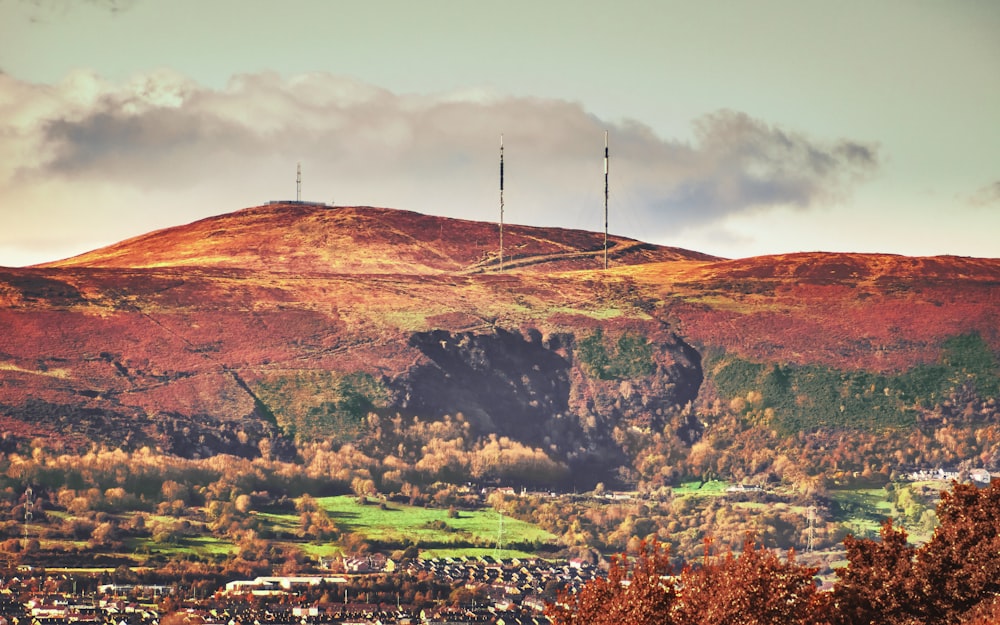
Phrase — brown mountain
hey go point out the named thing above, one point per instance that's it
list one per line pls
(293, 320)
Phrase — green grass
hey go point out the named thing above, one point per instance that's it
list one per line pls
(315, 551)
(872, 501)
(711, 488)
(862, 511)
(404, 525)
(204, 546)
(281, 522)
(472, 534)
(209, 545)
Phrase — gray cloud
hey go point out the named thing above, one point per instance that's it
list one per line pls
(986, 196)
(740, 163)
(166, 136)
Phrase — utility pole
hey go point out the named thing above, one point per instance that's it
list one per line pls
(811, 538)
(499, 546)
(28, 515)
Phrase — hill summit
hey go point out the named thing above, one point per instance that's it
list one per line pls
(310, 238)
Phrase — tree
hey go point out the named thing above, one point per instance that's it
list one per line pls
(959, 568)
(243, 503)
(877, 585)
(180, 618)
(104, 534)
(952, 578)
(635, 592)
(173, 491)
(363, 488)
(755, 587)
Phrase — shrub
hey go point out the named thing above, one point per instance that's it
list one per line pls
(813, 396)
(631, 357)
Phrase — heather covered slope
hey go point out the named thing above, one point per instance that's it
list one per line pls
(309, 238)
(854, 311)
(291, 322)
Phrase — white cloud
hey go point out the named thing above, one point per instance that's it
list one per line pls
(162, 142)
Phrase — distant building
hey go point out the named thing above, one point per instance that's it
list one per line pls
(981, 476)
(263, 586)
(745, 488)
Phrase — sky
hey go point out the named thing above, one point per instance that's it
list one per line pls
(735, 128)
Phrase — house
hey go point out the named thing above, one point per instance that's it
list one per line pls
(375, 563)
(980, 476)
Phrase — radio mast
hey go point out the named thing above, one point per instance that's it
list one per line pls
(298, 182)
(605, 199)
(811, 536)
(501, 202)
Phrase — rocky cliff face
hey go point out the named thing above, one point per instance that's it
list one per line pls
(533, 389)
(501, 382)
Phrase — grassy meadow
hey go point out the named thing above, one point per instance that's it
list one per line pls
(469, 533)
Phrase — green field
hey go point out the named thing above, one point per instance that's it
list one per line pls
(317, 551)
(280, 522)
(472, 533)
(204, 546)
(711, 488)
(862, 511)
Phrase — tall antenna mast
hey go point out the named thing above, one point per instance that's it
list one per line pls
(811, 538)
(298, 183)
(501, 201)
(605, 199)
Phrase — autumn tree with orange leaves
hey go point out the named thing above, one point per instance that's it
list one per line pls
(755, 587)
(637, 591)
(954, 579)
